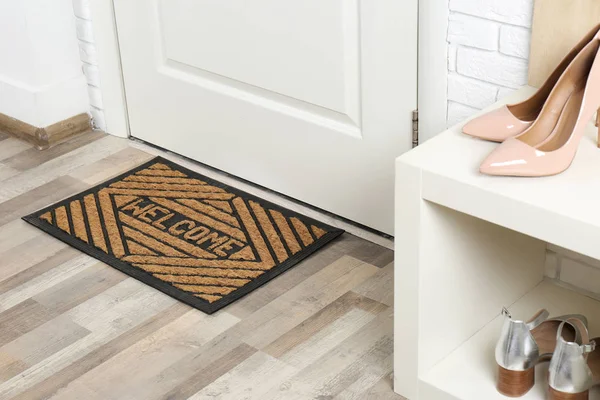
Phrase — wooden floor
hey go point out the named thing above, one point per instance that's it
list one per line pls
(72, 327)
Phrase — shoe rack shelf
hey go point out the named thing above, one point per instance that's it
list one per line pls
(469, 244)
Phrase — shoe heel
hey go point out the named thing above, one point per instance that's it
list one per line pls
(515, 383)
(598, 126)
(556, 395)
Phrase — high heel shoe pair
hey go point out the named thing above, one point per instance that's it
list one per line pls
(540, 136)
(574, 360)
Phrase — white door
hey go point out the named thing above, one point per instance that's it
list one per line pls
(310, 98)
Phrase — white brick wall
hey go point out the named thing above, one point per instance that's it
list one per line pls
(87, 52)
(488, 47)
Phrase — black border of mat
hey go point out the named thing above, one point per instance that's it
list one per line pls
(165, 287)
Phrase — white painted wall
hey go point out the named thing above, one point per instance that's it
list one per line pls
(488, 48)
(41, 79)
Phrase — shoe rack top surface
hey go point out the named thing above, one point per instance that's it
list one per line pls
(562, 209)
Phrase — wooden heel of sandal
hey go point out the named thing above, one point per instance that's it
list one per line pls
(515, 383)
(554, 395)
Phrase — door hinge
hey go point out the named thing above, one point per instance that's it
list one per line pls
(415, 128)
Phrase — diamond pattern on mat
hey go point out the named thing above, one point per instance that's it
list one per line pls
(194, 236)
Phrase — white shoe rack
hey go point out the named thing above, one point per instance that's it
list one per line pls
(467, 245)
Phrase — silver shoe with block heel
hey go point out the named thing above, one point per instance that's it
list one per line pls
(575, 366)
(522, 345)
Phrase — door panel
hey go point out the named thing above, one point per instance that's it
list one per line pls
(242, 40)
(312, 99)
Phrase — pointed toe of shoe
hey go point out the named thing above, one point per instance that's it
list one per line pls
(498, 165)
(495, 126)
(512, 158)
(478, 127)
(494, 164)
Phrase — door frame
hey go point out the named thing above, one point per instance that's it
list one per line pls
(432, 68)
(108, 54)
(432, 86)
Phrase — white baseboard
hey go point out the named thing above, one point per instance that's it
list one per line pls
(47, 105)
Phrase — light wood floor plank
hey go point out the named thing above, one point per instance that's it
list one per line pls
(63, 255)
(306, 299)
(110, 166)
(326, 339)
(112, 321)
(54, 382)
(59, 166)
(39, 197)
(10, 367)
(310, 328)
(205, 362)
(382, 390)
(152, 354)
(38, 344)
(32, 158)
(205, 376)
(11, 146)
(28, 254)
(120, 301)
(45, 281)
(21, 319)
(7, 172)
(340, 367)
(367, 373)
(251, 379)
(380, 287)
(79, 288)
(15, 233)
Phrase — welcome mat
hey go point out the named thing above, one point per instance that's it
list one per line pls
(193, 238)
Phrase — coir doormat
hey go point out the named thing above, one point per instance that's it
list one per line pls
(193, 238)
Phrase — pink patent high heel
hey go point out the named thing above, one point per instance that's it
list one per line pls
(511, 120)
(549, 145)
